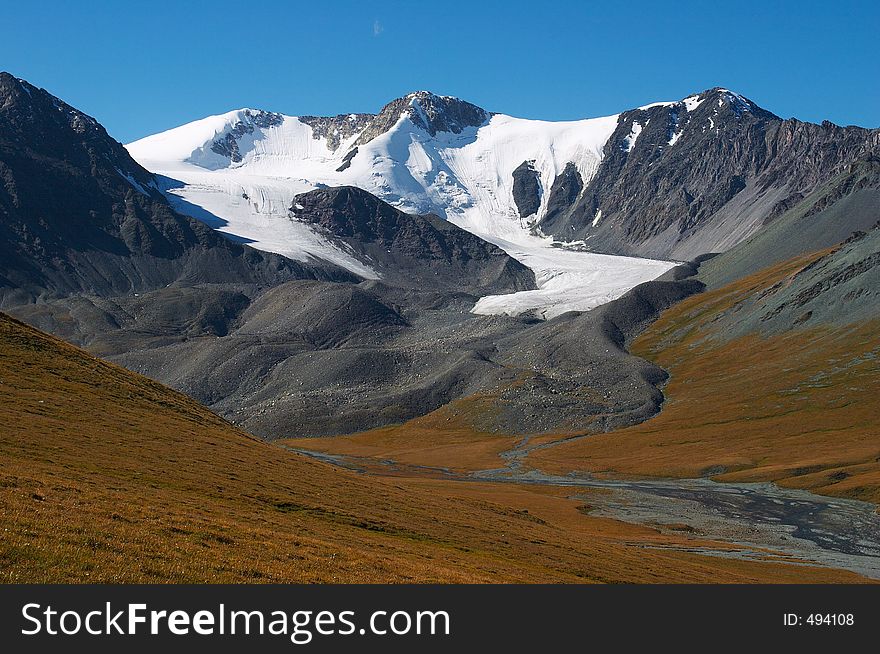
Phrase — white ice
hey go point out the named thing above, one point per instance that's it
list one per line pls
(630, 141)
(571, 281)
(692, 102)
(466, 178)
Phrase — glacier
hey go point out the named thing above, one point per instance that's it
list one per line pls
(240, 171)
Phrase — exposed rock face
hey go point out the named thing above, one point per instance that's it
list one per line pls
(860, 175)
(566, 189)
(77, 214)
(346, 160)
(700, 175)
(526, 189)
(337, 129)
(847, 203)
(228, 145)
(410, 250)
(36, 122)
(433, 113)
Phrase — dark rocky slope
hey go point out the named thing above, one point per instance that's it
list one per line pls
(848, 203)
(701, 180)
(78, 215)
(829, 244)
(424, 252)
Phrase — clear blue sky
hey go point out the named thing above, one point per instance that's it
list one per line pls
(142, 67)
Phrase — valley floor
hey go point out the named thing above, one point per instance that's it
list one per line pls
(797, 409)
(106, 476)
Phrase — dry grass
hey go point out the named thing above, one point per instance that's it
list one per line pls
(798, 408)
(445, 438)
(106, 476)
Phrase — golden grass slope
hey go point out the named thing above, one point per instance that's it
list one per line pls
(800, 408)
(106, 476)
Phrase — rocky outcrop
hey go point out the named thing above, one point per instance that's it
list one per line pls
(227, 145)
(346, 160)
(526, 189)
(433, 113)
(337, 129)
(411, 250)
(680, 179)
(564, 194)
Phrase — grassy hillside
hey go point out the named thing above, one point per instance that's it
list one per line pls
(106, 476)
(797, 406)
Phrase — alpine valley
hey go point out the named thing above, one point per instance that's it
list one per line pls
(641, 347)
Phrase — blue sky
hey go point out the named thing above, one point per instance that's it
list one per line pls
(144, 67)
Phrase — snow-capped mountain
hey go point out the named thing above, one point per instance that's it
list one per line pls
(79, 217)
(423, 153)
(669, 180)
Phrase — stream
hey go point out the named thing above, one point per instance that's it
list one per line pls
(761, 521)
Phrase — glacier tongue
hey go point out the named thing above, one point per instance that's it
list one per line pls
(240, 171)
(570, 281)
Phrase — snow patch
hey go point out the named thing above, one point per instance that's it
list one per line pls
(657, 104)
(674, 132)
(630, 141)
(692, 102)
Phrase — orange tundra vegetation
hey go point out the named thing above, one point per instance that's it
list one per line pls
(106, 476)
(799, 408)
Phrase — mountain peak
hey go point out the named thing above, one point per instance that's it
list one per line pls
(736, 102)
(433, 113)
(7, 78)
(429, 111)
(715, 100)
(424, 93)
(14, 91)
(33, 120)
(244, 121)
(407, 248)
(24, 106)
